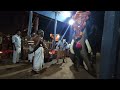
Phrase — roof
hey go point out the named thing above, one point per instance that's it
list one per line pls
(51, 14)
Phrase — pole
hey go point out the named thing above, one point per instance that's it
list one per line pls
(36, 24)
(109, 44)
(30, 23)
(55, 27)
(64, 34)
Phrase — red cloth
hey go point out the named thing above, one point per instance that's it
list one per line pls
(7, 51)
(53, 52)
(78, 45)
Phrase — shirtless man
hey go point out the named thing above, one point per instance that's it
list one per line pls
(38, 50)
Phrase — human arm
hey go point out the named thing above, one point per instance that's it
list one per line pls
(36, 46)
(44, 44)
(13, 42)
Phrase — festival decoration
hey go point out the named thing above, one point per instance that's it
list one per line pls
(80, 19)
(78, 45)
(57, 37)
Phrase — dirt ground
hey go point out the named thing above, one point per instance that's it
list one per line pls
(51, 71)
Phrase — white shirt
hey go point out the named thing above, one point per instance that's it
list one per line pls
(16, 40)
(67, 46)
(61, 45)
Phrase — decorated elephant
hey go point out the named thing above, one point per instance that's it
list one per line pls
(80, 46)
(79, 54)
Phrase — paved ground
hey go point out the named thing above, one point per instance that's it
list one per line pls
(50, 71)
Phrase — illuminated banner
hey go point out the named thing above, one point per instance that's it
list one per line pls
(80, 19)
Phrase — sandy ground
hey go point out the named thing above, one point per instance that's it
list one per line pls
(51, 71)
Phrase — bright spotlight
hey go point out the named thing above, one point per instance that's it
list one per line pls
(58, 36)
(66, 14)
(71, 22)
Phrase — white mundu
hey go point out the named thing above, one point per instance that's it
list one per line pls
(30, 56)
(38, 61)
(16, 40)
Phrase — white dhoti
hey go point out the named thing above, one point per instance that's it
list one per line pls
(16, 54)
(38, 59)
(30, 56)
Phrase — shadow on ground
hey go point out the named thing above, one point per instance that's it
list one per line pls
(54, 68)
(81, 74)
(6, 62)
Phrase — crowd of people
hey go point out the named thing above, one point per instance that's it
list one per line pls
(37, 47)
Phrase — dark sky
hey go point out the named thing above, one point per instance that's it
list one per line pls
(47, 25)
(12, 20)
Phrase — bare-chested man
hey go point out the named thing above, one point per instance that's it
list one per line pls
(38, 50)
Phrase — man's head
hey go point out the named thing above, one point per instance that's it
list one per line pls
(33, 34)
(41, 33)
(18, 32)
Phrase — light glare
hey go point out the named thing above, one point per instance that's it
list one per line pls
(71, 22)
(66, 14)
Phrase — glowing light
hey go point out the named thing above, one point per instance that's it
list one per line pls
(58, 36)
(1, 52)
(66, 14)
(71, 22)
(50, 52)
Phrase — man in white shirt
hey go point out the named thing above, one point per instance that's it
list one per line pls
(38, 50)
(16, 40)
(61, 50)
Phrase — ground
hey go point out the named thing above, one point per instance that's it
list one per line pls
(50, 71)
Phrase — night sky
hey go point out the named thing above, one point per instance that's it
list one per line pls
(10, 21)
(97, 18)
(47, 24)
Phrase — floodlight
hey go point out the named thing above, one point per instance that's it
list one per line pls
(66, 14)
(71, 22)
